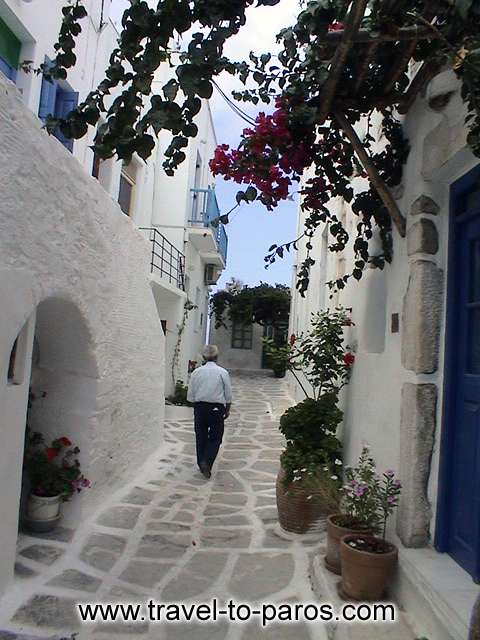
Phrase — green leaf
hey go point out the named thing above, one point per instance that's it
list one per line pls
(170, 90)
(250, 194)
(463, 7)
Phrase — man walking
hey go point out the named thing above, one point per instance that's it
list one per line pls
(211, 393)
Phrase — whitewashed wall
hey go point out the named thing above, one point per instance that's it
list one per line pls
(372, 400)
(237, 358)
(67, 251)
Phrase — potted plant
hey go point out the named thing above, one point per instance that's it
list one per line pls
(368, 561)
(307, 484)
(55, 475)
(277, 356)
(358, 509)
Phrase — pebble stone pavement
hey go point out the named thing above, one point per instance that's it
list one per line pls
(174, 536)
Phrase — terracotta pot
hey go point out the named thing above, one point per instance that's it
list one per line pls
(365, 575)
(296, 512)
(334, 534)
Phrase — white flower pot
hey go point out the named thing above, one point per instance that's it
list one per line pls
(43, 509)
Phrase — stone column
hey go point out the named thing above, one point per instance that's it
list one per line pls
(422, 312)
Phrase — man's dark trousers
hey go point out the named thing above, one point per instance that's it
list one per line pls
(209, 425)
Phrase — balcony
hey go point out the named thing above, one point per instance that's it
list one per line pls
(166, 261)
(207, 233)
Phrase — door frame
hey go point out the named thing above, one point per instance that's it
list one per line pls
(458, 190)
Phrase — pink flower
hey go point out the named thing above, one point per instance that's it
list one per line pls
(360, 490)
(392, 499)
(389, 473)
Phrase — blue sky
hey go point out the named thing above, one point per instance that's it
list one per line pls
(252, 228)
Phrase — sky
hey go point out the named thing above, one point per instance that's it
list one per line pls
(252, 229)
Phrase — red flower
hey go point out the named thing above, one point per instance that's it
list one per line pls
(51, 453)
(293, 337)
(349, 359)
(335, 26)
(65, 442)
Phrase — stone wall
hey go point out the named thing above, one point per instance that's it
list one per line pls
(67, 251)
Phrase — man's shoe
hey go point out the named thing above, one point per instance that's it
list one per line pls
(205, 469)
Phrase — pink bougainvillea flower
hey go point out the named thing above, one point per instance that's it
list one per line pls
(349, 359)
(335, 26)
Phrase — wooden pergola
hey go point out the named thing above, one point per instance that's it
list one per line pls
(334, 101)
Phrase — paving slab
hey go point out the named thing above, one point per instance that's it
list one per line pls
(120, 517)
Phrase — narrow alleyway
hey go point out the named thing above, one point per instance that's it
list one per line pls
(174, 536)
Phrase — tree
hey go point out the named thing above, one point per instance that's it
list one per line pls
(264, 305)
(340, 62)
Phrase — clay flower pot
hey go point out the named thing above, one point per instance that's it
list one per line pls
(299, 510)
(334, 534)
(366, 573)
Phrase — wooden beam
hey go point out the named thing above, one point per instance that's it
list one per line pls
(365, 64)
(364, 106)
(366, 37)
(352, 25)
(426, 72)
(400, 65)
(375, 178)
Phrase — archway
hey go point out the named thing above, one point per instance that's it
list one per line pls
(63, 383)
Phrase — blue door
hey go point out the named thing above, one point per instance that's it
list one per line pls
(458, 525)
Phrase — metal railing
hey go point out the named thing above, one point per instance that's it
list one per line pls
(166, 259)
(206, 212)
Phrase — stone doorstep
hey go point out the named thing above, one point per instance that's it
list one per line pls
(437, 592)
(324, 585)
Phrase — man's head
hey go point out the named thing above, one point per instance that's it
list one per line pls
(210, 353)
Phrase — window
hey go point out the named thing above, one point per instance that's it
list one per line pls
(127, 188)
(57, 100)
(10, 47)
(242, 335)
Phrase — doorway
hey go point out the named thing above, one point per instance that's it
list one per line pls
(458, 519)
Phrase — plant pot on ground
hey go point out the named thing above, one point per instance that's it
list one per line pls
(338, 526)
(55, 476)
(307, 485)
(368, 562)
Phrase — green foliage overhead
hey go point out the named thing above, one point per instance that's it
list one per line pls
(136, 117)
(295, 79)
(264, 305)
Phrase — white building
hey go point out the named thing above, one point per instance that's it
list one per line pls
(413, 396)
(82, 306)
(188, 253)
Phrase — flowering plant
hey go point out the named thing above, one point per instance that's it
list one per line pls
(54, 470)
(321, 355)
(367, 498)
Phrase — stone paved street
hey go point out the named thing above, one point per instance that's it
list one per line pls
(174, 536)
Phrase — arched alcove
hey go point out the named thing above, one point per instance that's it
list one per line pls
(64, 383)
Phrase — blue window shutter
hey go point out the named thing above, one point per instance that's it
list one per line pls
(47, 99)
(65, 102)
(7, 70)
